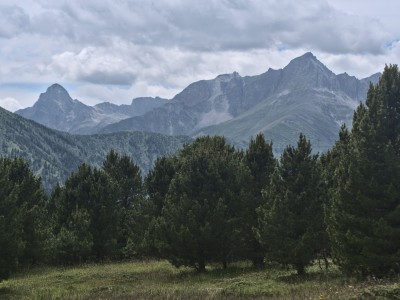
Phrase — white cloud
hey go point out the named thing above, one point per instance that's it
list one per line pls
(93, 65)
(120, 49)
(10, 104)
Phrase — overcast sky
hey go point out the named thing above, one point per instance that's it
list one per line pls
(115, 50)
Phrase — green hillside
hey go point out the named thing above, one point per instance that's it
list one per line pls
(53, 154)
(283, 119)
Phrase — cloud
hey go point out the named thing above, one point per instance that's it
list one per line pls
(93, 65)
(362, 65)
(214, 25)
(13, 21)
(120, 49)
(10, 104)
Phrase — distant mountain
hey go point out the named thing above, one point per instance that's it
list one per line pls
(57, 110)
(53, 155)
(305, 96)
(138, 107)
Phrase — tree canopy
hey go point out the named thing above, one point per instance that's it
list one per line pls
(364, 219)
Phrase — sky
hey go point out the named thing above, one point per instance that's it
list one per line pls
(116, 50)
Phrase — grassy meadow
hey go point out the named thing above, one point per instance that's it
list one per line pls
(160, 280)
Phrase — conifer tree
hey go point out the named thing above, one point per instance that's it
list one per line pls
(200, 219)
(131, 208)
(157, 184)
(88, 192)
(261, 162)
(158, 180)
(23, 225)
(364, 218)
(290, 220)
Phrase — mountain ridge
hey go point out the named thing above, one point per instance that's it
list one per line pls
(280, 103)
(53, 155)
(57, 110)
(304, 96)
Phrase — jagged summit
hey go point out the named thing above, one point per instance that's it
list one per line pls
(307, 60)
(56, 109)
(307, 55)
(56, 87)
(55, 92)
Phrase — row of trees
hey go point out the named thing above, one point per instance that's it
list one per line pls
(213, 203)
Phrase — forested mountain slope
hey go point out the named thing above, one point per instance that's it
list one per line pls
(53, 154)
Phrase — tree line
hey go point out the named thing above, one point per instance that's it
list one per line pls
(212, 203)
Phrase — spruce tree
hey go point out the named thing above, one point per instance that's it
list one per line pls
(364, 217)
(291, 219)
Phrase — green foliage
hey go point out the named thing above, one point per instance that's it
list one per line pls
(158, 180)
(290, 222)
(364, 215)
(156, 185)
(200, 221)
(22, 219)
(74, 241)
(260, 160)
(131, 207)
(88, 193)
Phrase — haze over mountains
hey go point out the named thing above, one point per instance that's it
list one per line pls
(305, 96)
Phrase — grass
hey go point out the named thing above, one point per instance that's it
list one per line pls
(159, 280)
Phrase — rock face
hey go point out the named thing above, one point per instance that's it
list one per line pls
(57, 110)
(305, 96)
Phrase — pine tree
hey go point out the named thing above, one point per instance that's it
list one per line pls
(290, 220)
(74, 241)
(131, 207)
(157, 184)
(126, 175)
(200, 219)
(23, 225)
(158, 180)
(364, 219)
(260, 160)
(91, 193)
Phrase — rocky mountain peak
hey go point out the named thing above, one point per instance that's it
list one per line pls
(307, 71)
(55, 94)
(56, 88)
(307, 61)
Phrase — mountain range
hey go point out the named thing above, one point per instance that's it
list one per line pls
(57, 110)
(53, 155)
(305, 96)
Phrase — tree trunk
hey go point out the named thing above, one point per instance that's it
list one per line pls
(300, 269)
(326, 262)
(201, 267)
(258, 263)
(224, 264)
